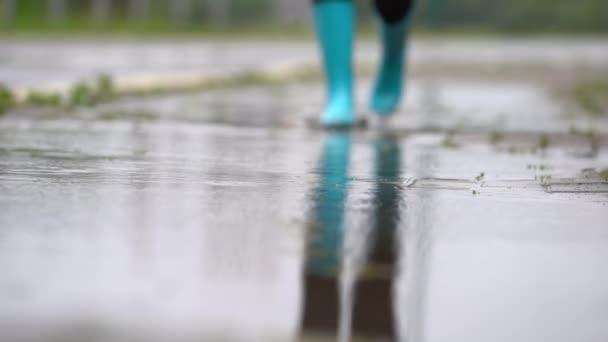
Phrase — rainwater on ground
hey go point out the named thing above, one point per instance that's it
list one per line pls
(479, 213)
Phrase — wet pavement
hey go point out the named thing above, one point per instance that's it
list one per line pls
(478, 214)
(28, 63)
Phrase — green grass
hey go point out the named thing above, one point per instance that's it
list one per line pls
(84, 94)
(604, 174)
(7, 99)
(544, 142)
(105, 86)
(160, 28)
(592, 96)
(43, 99)
(240, 80)
(495, 137)
(449, 142)
(74, 27)
(137, 115)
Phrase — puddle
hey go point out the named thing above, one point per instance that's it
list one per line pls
(223, 216)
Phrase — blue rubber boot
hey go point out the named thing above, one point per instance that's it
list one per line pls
(389, 83)
(335, 24)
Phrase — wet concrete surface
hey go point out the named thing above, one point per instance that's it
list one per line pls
(477, 214)
(57, 64)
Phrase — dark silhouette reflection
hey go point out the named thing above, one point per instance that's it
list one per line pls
(342, 298)
(327, 232)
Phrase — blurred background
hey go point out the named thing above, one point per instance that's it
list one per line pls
(164, 16)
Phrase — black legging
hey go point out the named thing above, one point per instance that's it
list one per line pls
(390, 10)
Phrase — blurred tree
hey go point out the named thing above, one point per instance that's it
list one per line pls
(435, 8)
(290, 11)
(138, 9)
(101, 10)
(8, 9)
(56, 10)
(180, 11)
(219, 12)
(262, 11)
(487, 15)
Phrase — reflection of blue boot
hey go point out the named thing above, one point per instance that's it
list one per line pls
(388, 87)
(335, 23)
(325, 251)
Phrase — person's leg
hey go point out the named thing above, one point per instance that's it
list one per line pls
(335, 24)
(394, 20)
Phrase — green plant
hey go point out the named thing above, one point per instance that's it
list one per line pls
(105, 86)
(592, 96)
(82, 94)
(495, 137)
(43, 99)
(604, 174)
(448, 142)
(544, 141)
(7, 99)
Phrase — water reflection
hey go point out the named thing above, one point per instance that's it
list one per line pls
(345, 298)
